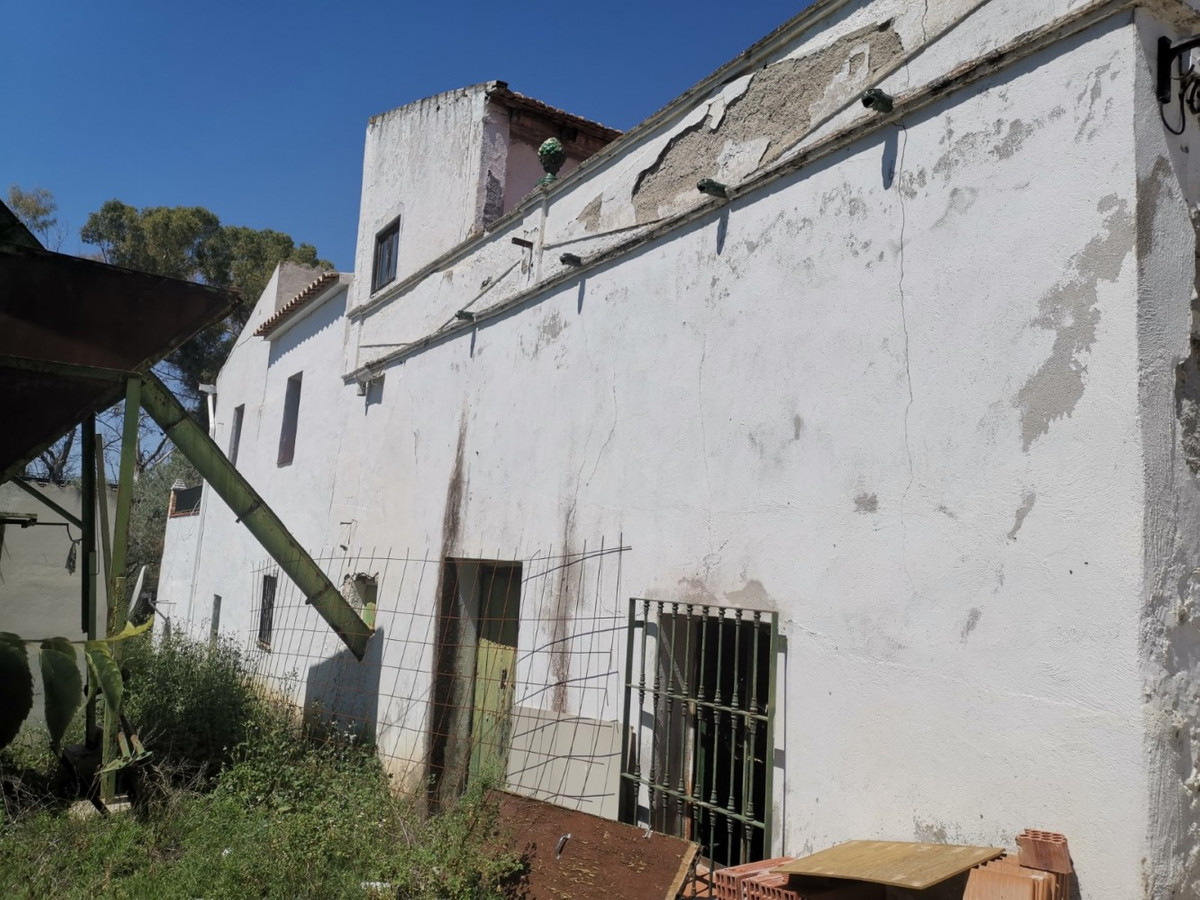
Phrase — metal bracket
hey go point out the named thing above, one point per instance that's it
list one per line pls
(1168, 52)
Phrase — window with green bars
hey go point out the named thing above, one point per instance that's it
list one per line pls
(700, 696)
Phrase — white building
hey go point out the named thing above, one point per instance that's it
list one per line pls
(919, 392)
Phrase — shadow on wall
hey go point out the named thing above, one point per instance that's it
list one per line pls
(345, 692)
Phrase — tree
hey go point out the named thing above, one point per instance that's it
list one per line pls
(36, 209)
(184, 242)
(190, 242)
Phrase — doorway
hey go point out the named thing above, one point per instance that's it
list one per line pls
(474, 674)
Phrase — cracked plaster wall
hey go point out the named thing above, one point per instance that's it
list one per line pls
(875, 398)
(1170, 637)
(835, 399)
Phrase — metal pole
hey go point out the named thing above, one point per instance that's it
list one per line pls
(117, 609)
(46, 501)
(87, 548)
(769, 769)
(102, 504)
(252, 511)
(627, 813)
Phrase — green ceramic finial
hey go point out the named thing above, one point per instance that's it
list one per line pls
(551, 155)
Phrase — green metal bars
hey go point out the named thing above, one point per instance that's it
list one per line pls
(253, 512)
(700, 696)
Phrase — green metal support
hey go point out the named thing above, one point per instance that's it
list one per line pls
(47, 502)
(102, 508)
(117, 609)
(117, 602)
(87, 546)
(194, 443)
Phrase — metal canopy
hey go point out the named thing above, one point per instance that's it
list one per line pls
(57, 309)
(77, 335)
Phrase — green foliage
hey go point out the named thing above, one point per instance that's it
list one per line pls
(190, 242)
(18, 686)
(105, 675)
(192, 703)
(296, 813)
(148, 513)
(17, 680)
(63, 686)
(36, 209)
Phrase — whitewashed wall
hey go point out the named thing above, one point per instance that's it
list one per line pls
(918, 396)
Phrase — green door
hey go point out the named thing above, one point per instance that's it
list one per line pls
(490, 722)
(495, 670)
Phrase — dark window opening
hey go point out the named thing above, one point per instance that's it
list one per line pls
(474, 675)
(700, 699)
(266, 612)
(387, 244)
(215, 625)
(291, 418)
(361, 592)
(235, 432)
(185, 501)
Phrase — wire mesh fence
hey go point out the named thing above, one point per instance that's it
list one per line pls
(489, 666)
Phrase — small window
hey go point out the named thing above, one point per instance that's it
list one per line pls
(185, 501)
(291, 416)
(215, 625)
(387, 243)
(361, 592)
(266, 612)
(235, 433)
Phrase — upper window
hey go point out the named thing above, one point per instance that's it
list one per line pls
(387, 243)
(235, 432)
(291, 417)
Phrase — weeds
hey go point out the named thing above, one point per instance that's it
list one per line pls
(282, 811)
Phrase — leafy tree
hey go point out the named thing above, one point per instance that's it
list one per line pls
(36, 209)
(190, 242)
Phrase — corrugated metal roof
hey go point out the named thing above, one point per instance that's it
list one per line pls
(59, 311)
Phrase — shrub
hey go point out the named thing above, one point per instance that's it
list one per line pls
(191, 702)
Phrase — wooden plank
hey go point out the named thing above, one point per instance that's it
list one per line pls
(601, 859)
(896, 863)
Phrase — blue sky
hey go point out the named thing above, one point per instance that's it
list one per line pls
(257, 110)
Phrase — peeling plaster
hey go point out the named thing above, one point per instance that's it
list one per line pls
(1026, 506)
(782, 100)
(1070, 310)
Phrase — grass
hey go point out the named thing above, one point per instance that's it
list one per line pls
(284, 812)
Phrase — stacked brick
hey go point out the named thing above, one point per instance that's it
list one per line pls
(1041, 871)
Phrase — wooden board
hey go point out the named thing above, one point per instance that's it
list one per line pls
(601, 859)
(895, 863)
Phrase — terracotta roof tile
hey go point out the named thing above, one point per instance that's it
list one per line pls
(293, 306)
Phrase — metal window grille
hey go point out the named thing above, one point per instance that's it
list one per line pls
(700, 694)
(266, 612)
